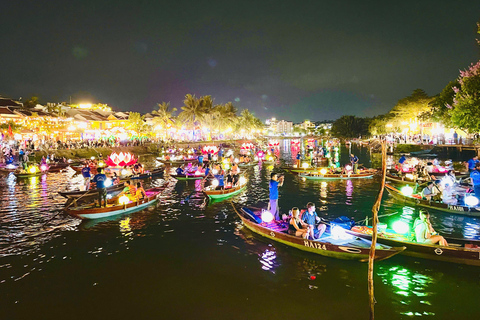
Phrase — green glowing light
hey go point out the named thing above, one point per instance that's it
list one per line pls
(400, 227)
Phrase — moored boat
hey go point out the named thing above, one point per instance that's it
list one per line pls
(438, 205)
(456, 252)
(116, 188)
(348, 249)
(334, 176)
(227, 192)
(147, 175)
(92, 212)
(188, 176)
(405, 179)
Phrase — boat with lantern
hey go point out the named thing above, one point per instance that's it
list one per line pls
(91, 193)
(407, 195)
(147, 174)
(408, 178)
(8, 168)
(229, 191)
(57, 167)
(461, 251)
(116, 206)
(348, 248)
(188, 176)
(179, 160)
(32, 171)
(324, 174)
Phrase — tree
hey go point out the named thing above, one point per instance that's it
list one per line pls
(409, 108)
(350, 127)
(164, 116)
(193, 111)
(465, 110)
(31, 103)
(137, 123)
(441, 105)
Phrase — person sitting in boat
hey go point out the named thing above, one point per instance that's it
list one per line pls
(310, 217)
(129, 190)
(450, 178)
(424, 232)
(115, 178)
(428, 192)
(235, 174)
(229, 179)
(296, 226)
(448, 195)
(140, 193)
(180, 171)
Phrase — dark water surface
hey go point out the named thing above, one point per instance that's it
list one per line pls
(187, 258)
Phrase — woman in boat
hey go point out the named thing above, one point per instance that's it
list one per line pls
(140, 193)
(129, 190)
(424, 232)
(296, 226)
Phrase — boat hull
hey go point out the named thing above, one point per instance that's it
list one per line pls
(455, 209)
(221, 194)
(451, 254)
(339, 251)
(311, 176)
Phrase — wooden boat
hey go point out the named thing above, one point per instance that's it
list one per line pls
(455, 252)
(249, 164)
(177, 162)
(116, 188)
(438, 205)
(57, 167)
(405, 179)
(92, 212)
(227, 192)
(23, 174)
(147, 175)
(300, 170)
(8, 168)
(348, 249)
(187, 176)
(334, 176)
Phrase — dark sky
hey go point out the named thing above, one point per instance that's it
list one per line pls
(290, 59)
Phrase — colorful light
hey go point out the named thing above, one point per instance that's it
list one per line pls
(121, 159)
(267, 216)
(32, 169)
(108, 182)
(323, 171)
(407, 191)
(215, 183)
(243, 180)
(123, 200)
(400, 227)
(304, 165)
(348, 167)
(471, 201)
(43, 167)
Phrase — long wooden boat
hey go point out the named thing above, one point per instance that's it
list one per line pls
(188, 176)
(221, 194)
(92, 212)
(438, 205)
(455, 252)
(177, 162)
(116, 188)
(57, 167)
(147, 175)
(405, 180)
(8, 169)
(351, 249)
(248, 164)
(300, 170)
(334, 176)
(28, 174)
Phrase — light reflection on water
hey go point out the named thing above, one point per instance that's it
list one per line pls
(182, 214)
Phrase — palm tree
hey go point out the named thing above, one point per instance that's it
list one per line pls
(164, 116)
(194, 110)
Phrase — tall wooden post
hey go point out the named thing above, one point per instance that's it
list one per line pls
(375, 209)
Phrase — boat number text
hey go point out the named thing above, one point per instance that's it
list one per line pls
(314, 245)
(455, 208)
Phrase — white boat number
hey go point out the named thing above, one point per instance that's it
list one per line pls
(272, 234)
(315, 245)
(438, 251)
(455, 208)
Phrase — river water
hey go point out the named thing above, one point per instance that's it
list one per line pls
(188, 258)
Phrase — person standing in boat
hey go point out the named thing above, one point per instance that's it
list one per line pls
(311, 218)
(354, 162)
(475, 176)
(470, 164)
(424, 232)
(275, 182)
(100, 180)
(86, 175)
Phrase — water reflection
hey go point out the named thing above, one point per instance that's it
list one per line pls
(413, 289)
(268, 259)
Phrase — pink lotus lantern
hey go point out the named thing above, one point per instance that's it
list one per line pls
(121, 159)
(210, 149)
(247, 146)
(273, 143)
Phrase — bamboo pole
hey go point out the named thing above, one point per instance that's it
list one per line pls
(375, 209)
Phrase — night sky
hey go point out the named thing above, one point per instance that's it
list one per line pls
(294, 60)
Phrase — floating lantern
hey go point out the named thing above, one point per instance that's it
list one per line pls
(121, 159)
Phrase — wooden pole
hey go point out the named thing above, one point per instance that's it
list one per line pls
(375, 209)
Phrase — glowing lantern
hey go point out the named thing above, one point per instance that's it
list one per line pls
(304, 165)
(400, 227)
(121, 159)
(108, 183)
(215, 183)
(123, 200)
(123, 172)
(407, 191)
(348, 167)
(323, 171)
(210, 149)
(409, 176)
(43, 167)
(32, 169)
(92, 157)
(242, 180)
(214, 171)
(267, 216)
(101, 164)
(471, 201)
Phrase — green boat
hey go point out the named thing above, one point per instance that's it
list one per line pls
(220, 194)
